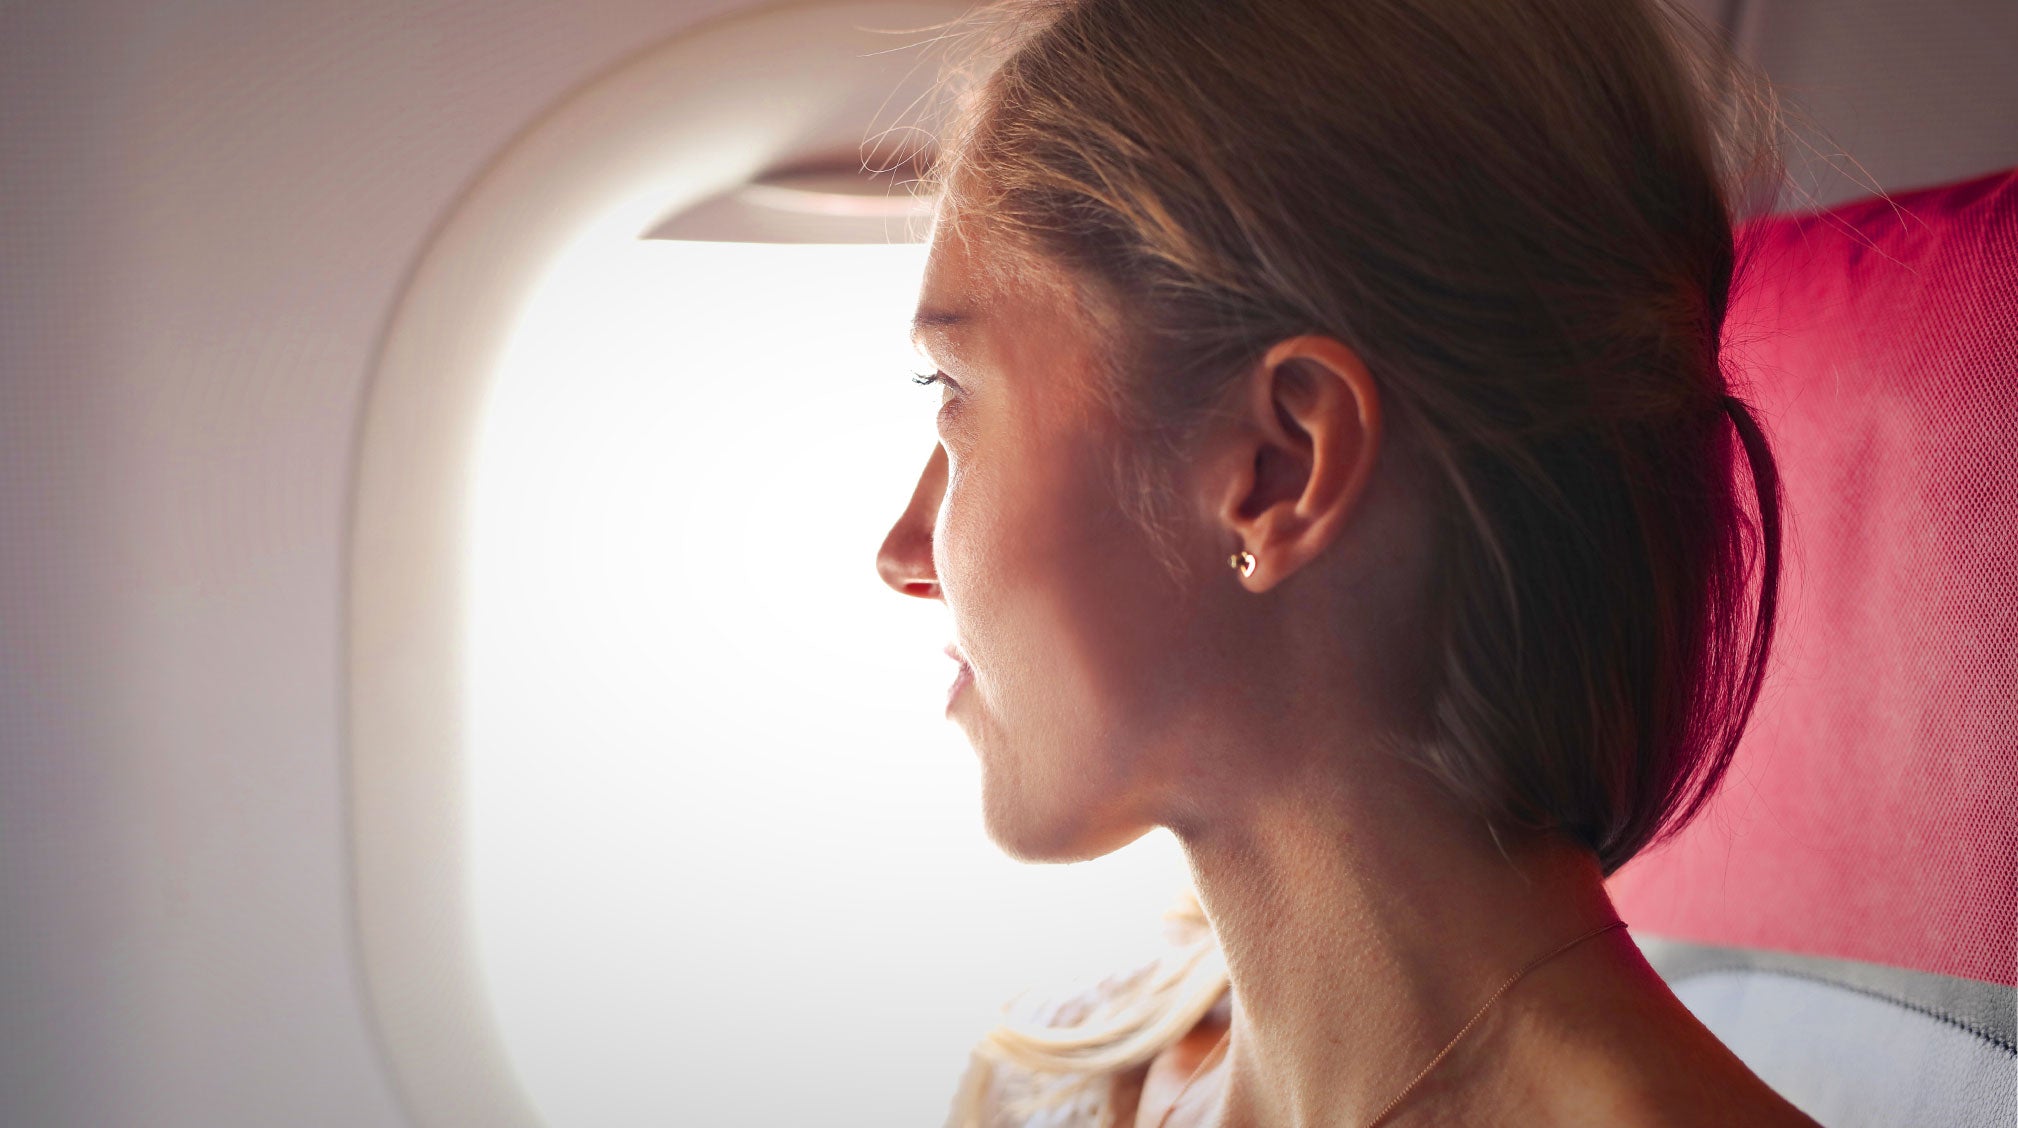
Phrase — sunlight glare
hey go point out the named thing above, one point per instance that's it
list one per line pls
(718, 827)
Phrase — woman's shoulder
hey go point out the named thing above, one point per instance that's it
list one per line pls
(1074, 1052)
(998, 1094)
(1077, 1052)
(999, 1090)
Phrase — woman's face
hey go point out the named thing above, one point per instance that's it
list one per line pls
(1069, 627)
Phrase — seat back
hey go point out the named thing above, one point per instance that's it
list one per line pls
(1850, 899)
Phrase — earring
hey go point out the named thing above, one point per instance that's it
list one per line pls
(1243, 562)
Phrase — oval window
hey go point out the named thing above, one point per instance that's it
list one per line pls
(657, 820)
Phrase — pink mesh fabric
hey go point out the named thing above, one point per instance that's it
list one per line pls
(1872, 811)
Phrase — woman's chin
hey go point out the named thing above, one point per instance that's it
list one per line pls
(1054, 836)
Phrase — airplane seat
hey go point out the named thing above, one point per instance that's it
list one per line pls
(1844, 915)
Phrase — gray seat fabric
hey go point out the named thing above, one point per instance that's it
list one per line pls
(1856, 1045)
(1904, 93)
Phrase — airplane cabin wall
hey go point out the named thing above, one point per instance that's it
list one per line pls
(208, 209)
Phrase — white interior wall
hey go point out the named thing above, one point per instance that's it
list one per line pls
(207, 209)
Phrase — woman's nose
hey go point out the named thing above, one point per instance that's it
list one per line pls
(905, 560)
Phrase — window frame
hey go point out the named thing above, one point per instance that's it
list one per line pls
(678, 123)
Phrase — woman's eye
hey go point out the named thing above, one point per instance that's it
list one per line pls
(939, 378)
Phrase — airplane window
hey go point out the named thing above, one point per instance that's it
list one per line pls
(727, 857)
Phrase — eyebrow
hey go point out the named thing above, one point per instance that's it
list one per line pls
(933, 321)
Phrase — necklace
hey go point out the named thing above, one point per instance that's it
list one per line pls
(1212, 1056)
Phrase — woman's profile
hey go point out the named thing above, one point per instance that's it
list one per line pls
(1337, 467)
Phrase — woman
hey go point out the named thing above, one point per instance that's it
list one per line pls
(1336, 467)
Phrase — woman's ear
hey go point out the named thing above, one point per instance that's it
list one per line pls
(1309, 429)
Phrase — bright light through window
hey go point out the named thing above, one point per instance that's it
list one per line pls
(727, 855)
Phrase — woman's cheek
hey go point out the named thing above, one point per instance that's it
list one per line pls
(955, 551)
(955, 431)
(977, 546)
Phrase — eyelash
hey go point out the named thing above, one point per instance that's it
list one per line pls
(949, 405)
(941, 379)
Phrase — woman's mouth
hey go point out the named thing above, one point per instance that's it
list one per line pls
(960, 679)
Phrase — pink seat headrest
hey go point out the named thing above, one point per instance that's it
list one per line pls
(1872, 811)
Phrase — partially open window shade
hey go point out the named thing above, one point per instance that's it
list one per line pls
(838, 200)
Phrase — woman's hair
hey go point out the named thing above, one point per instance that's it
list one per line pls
(1519, 213)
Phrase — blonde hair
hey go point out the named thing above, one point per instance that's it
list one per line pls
(1520, 214)
(1063, 1057)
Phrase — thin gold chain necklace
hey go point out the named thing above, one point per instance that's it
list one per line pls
(1213, 1055)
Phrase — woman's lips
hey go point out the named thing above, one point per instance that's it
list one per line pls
(960, 679)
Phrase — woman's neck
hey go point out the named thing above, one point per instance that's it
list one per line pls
(1363, 929)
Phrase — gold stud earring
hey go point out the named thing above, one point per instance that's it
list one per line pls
(1243, 562)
